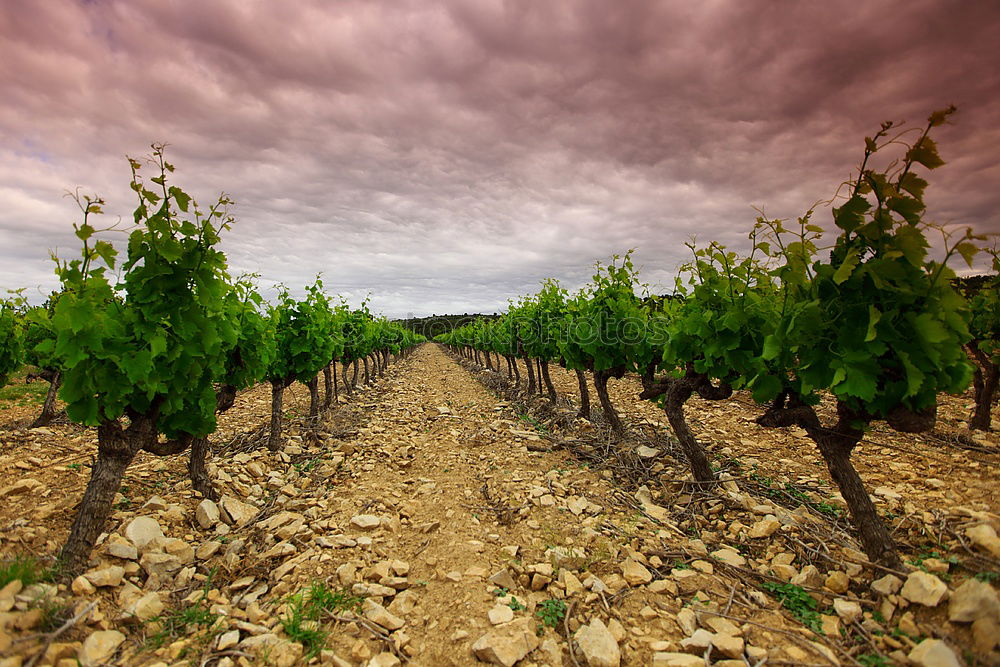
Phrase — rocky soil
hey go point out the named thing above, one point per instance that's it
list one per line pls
(437, 519)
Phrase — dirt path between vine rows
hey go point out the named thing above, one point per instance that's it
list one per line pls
(448, 540)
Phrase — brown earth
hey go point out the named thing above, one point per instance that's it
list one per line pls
(447, 470)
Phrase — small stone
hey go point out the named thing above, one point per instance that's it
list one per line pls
(143, 531)
(160, 565)
(503, 579)
(699, 641)
(81, 586)
(122, 549)
(108, 576)
(635, 573)
(207, 514)
(285, 654)
(207, 550)
(973, 600)
(924, 588)
(98, 648)
(728, 645)
(366, 521)
(667, 659)
(228, 640)
(385, 659)
(598, 645)
(837, 581)
(730, 557)
(239, 513)
(501, 614)
(764, 528)
(985, 537)
(147, 607)
(379, 615)
(508, 643)
(933, 653)
(887, 585)
(687, 620)
(570, 582)
(985, 634)
(847, 610)
(20, 487)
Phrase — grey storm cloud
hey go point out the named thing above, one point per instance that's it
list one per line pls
(447, 156)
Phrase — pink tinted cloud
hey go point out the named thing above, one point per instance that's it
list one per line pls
(457, 152)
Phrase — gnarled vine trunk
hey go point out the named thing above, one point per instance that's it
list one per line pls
(531, 375)
(549, 387)
(347, 382)
(49, 411)
(581, 379)
(835, 445)
(354, 377)
(985, 384)
(116, 448)
(601, 385)
(313, 385)
(277, 397)
(198, 469)
(329, 380)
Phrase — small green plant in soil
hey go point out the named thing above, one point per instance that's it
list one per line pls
(195, 620)
(988, 577)
(306, 609)
(551, 612)
(873, 660)
(515, 605)
(798, 602)
(27, 569)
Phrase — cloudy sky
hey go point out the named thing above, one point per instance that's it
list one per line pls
(446, 156)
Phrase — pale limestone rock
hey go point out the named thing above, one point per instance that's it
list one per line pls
(81, 586)
(227, 640)
(635, 573)
(122, 548)
(847, 610)
(985, 634)
(985, 537)
(598, 645)
(973, 600)
(379, 615)
(501, 614)
(933, 653)
(366, 521)
(238, 512)
(837, 581)
(570, 582)
(699, 640)
(687, 620)
(20, 487)
(108, 576)
(503, 579)
(160, 565)
(730, 557)
(729, 645)
(668, 659)
(764, 528)
(506, 644)
(207, 514)
(924, 588)
(143, 531)
(98, 648)
(887, 585)
(146, 607)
